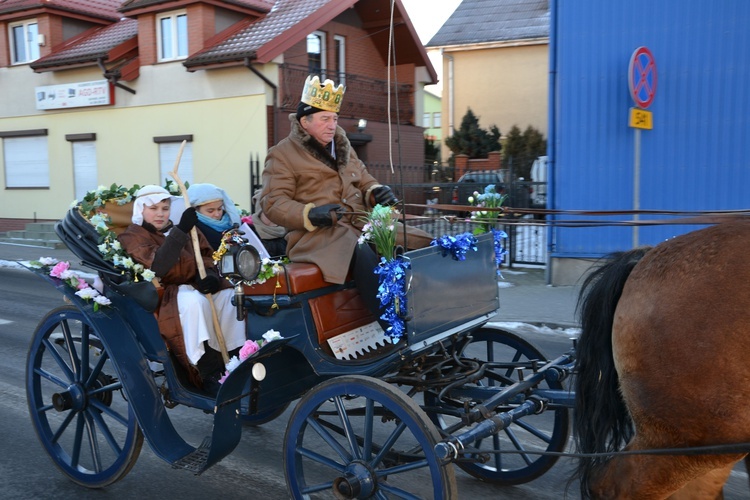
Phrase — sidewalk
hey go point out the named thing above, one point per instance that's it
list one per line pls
(524, 295)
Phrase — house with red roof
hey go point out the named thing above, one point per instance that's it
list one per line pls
(106, 91)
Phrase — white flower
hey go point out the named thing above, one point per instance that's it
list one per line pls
(116, 245)
(102, 300)
(470, 199)
(148, 275)
(233, 363)
(47, 261)
(272, 335)
(67, 274)
(103, 247)
(87, 293)
(127, 262)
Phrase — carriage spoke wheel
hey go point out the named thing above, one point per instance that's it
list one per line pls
(76, 404)
(547, 431)
(358, 437)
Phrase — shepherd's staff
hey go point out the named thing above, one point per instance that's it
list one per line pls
(199, 257)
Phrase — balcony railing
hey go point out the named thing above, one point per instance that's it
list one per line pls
(365, 97)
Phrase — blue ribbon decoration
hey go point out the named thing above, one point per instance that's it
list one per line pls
(500, 252)
(457, 245)
(392, 294)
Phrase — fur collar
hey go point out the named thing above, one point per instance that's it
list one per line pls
(317, 150)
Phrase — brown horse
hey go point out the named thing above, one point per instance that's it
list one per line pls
(664, 362)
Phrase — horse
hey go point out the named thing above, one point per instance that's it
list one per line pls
(663, 362)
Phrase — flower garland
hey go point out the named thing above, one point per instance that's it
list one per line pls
(61, 270)
(112, 250)
(249, 348)
(457, 245)
(392, 294)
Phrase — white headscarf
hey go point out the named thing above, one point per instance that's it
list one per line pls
(200, 194)
(152, 194)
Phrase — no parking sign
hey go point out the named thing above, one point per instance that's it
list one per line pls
(642, 80)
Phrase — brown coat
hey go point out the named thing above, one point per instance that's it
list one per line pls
(141, 244)
(299, 174)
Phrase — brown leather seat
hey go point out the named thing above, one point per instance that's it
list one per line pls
(294, 278)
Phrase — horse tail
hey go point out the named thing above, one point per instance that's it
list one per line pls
(601, 420)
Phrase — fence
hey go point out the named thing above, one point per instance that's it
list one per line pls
(416, 187)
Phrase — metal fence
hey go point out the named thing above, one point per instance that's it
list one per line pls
(526, 244)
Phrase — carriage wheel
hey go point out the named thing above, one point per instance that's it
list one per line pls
(358, 437)
(75, 401)
(547, 431)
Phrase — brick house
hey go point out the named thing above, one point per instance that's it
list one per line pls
(105, 91)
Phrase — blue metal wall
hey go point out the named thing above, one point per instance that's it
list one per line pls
(696, 156)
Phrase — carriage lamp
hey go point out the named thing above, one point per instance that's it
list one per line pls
(240, 262)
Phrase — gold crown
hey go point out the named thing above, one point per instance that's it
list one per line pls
(324, 96)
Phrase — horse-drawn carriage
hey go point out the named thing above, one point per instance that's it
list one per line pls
(371, 421)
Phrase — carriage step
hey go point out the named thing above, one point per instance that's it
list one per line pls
(195, 461)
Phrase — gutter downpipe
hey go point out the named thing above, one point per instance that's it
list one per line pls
(450, 94)
(551, 132)
(275, 91)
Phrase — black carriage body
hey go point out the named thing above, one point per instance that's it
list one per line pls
(446, 297)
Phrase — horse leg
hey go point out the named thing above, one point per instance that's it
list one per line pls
(707, 487)
(652, 477)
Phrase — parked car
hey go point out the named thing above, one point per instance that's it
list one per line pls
(539, 183)
(519, 192)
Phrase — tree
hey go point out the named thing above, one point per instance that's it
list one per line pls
(472, 140)
(521, 149)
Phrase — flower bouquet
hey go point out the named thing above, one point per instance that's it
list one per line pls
(380, 230)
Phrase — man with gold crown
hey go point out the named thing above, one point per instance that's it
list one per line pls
(315, 186)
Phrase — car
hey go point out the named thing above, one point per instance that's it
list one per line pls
(539, 183)
(477, 181)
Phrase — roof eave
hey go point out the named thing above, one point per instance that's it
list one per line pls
(491, 45)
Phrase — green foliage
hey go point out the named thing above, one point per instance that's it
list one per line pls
(431, 151)
(521, 149)
(472, 140)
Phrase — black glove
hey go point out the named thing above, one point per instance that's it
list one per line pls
(188, 220)
(325, 215)
(210, 284)
(384, 196)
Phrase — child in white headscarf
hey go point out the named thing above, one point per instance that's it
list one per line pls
(216, 211)
(184, 314)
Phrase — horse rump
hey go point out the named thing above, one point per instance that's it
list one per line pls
(601, 420)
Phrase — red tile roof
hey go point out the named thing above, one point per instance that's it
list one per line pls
(90, 46)
(261, 5)
(254, 41)
(104, 9)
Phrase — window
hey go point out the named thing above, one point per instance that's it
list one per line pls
(172, 36)
(316, 53)
(340, 43)
(168, 149)
(426, 120)
(24, 41)
(436, 120)
(26, 159)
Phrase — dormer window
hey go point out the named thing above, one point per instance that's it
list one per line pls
(24, 41)
(172, 35)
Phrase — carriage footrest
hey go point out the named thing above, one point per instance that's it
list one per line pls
(195, 461)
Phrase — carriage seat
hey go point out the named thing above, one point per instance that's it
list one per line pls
(294, 278)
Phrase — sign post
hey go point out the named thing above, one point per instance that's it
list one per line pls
(642, 83)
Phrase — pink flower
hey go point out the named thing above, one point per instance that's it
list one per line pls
(82, 284)
(247, 219)
(59, 268)
(223, 377)
(250, 347)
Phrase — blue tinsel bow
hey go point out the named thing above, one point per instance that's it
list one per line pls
(457, 245)
(500, 252)
(392, 291)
